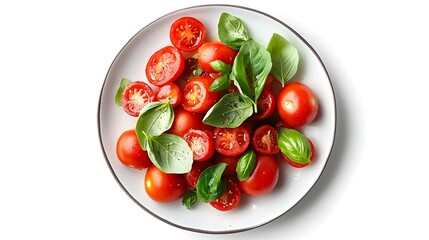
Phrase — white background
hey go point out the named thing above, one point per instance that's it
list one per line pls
(54, 180)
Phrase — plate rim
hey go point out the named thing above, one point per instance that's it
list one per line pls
(203, 6)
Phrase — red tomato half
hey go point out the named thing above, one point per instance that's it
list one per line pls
(265, 140)
(164, 187)
(185, 120)
(231, 141)
(196, 95)
(192, 176)
(266, 104)
(129, 151)
(229, 199)
(297, 104)
(187, 34)
(135, 96)
(165, 66)
(211, 51)
(299, 165)
(263, 178)
(170, 92)
(200, 143)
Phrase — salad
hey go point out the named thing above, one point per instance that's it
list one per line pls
(216, 116)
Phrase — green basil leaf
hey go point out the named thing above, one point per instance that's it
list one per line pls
(232, 31)
(294, 145)
(285, 58)
(230, 111)
(219, 84)
(189, 198)
(209, 185)
(155, 118)
(118, 97)
(221, 67)
(170, 153)
(250, 69)
(246, 165)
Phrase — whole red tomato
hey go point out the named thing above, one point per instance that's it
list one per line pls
(211, 51)
(263, 178)
(164, 187)
(297, 104)
(129, 151)
(185, 120)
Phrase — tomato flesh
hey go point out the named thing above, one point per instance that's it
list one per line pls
(187, 34)
(165, 66)
(265, 140)
(197, 97)
(229, 199)
(200, 143)
(164, 187)
(170, 92)
(135, 96)
(231, 141)
(266, 104)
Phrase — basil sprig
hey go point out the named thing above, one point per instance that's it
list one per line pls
(285, 58)
(231, 31)
(118, 97)
(246, 165)
(222, 82)
(294, 145)
(170, 153)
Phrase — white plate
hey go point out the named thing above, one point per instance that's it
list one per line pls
(293, 184)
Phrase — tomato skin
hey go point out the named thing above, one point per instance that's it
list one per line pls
(297, 104)
(165, 66)
(185, 120)
(197, 97)
(265, 140)
(231, 141)
(230, 198)
(192, 176)
(201, 144)
(187, 34)
(231, 164)
(130, 153)
(215, 50)
(135, 96)
(263, 178)
(266, 104)
(299, 165)
(170, 92)
(163, 187)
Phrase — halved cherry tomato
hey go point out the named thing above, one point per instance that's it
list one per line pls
(231, 141)
(297, 104)
(263, 178)
(187, 34)
(170, 92)
(192, 176)
(299, 165)
(165, 66)
(211, 51)
(266, 104)
(135, 96)
(200, 143)
(185, 120)
(196, 95)
(229, 199)
(129, 151)
(164, 187)
(265, 140)
(231, 164)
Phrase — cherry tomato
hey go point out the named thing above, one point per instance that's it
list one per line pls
(263, 178)
(170, 92)
(231, 164)
(129, 151)
(196, 95)
(165, 66)
(135, 96)
(192, 176)
(264, 140)
(185, 120)
(229, 199)
(266, 104)
(211, 51)
(299, 165)
(297, 104)
(200, 143)
(231, 141)
(187, 34)
(164, 187)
